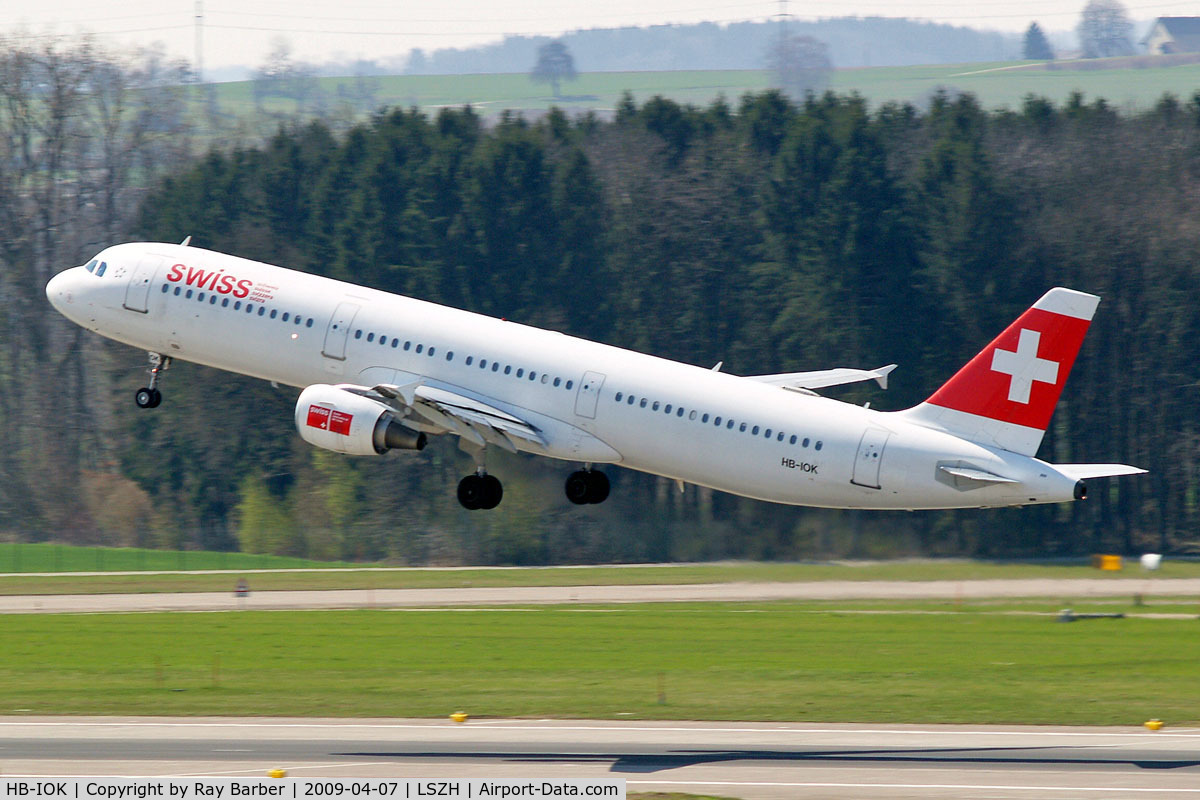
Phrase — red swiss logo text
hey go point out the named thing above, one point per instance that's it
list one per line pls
(217, 281)
(328, 419)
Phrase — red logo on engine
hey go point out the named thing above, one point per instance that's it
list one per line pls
(328, 419)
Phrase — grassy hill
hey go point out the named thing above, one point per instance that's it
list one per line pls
(1123, 83)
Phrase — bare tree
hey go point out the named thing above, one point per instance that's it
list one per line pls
(799, 65)
(554, 65)
(1105, 30)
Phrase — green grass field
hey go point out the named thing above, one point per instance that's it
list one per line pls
(17, 560)
(51, 557)
(1001, 84)
(708, 661)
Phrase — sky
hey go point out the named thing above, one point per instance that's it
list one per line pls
(243, 32)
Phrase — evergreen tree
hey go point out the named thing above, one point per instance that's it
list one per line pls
(1036, 46)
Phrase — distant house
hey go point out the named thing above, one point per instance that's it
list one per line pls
(1173, 35)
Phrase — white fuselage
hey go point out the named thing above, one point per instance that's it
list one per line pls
(783, 446)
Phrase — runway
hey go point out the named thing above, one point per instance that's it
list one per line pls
(755, 761)
(1069, 589)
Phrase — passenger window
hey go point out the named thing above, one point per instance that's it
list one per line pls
(407, 345)
(753, 431)
(309, 323)
(642, 402)
(383, 341)
(262, 310)
(165, 287)
(200, 298)
(430, 353)
(805, 442)
(717, 422)
(177, 291)
(212, 300)
(630, 400)
(521, 373)
(395, 343)
(508, 369)
(679, 413)
(655, 405)
(188, 294)
(225, 303)
(704, 419)
(237, 306)
(691, 415)
(729, 425)
(285, 316)
(618, 397)
(545, 377)
(358, 334)
(666, 410)
(483, 363)
(532, 375)
(557, 381)
(420, 347)
(570, 384)
(275, 311)
(780, 437)
(469, 360)
(495, 366)
(767, 433)
(449, 355)
(817, 446)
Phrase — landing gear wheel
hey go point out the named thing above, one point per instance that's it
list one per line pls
(480, 491)
(493, 492)
(148, 398)
(587, 486)
(470, 492)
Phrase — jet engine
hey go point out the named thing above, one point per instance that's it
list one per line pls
(344, 422)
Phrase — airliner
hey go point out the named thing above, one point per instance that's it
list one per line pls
(381, 372)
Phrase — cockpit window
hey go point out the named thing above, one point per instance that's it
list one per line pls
(91, 265)
(100, 269)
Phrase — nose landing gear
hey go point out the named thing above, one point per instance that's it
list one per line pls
(150, 396)
(587, 486)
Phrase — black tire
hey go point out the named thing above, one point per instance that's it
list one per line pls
(470, 492)
(598, 487)
(493, 491)
(578, 487)
(156, 400)
(145, 398)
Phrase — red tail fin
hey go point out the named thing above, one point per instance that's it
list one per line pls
(1007, 393)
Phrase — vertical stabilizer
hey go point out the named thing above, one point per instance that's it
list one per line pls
(1006, 394)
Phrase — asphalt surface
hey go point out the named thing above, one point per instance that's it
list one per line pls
(1073, 589)
(755, 761)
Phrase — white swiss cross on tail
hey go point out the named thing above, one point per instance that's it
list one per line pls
(1006, 394)
(1024, 367)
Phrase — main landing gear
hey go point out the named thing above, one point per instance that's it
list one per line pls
(480, 491)
(587, 486)
(150, 396)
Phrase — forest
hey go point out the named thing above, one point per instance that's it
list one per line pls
(769, 234)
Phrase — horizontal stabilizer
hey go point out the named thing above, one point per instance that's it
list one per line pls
(1084, 471)
(973, 475)
(824, 378)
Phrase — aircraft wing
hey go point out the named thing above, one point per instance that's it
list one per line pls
(821, 379)
(433, 410)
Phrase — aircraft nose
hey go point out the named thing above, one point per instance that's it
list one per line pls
(60, 289)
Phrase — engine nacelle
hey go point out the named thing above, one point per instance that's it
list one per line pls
(344, 422)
